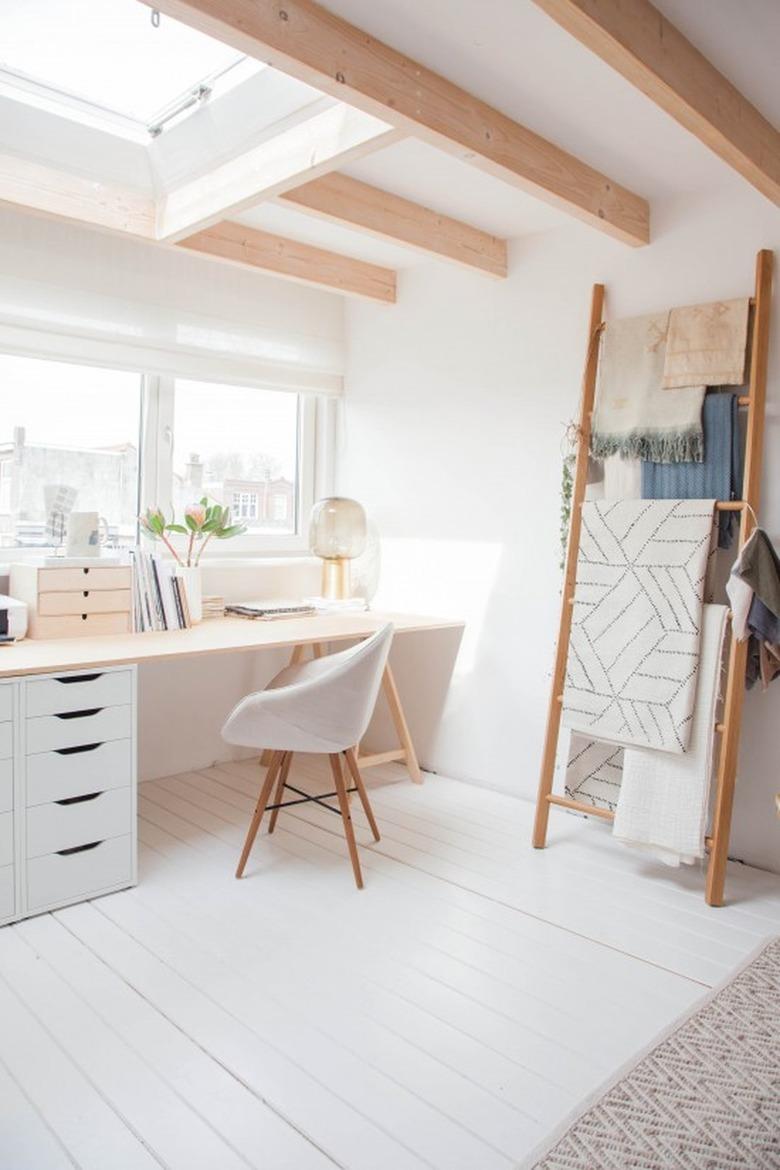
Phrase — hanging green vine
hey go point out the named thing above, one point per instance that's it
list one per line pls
(569, 459)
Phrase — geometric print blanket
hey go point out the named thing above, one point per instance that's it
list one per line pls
(704, 1097)
(634, 647)
(594, 772)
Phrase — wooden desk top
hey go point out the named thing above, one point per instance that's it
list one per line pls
(213, 636)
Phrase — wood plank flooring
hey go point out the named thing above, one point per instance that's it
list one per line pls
(445, 1017)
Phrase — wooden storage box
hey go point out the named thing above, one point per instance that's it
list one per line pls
(74, 601)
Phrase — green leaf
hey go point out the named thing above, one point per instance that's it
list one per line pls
(177, 528)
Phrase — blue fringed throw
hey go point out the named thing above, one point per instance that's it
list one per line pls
(718, 477)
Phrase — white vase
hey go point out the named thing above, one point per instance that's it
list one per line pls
(190, 576)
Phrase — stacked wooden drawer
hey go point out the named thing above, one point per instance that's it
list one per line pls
(79, 786)
(68, 602)
(7, 868)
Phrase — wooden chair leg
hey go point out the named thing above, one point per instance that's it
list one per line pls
(262, 801)
(349, 832)
(352, 764)
(284, 772)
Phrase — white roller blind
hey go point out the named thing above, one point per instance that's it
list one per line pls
(76, 294)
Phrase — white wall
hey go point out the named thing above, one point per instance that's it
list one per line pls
(456, 402)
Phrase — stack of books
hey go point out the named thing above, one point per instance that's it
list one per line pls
(159, 596)
(213, 607)
(269, 610)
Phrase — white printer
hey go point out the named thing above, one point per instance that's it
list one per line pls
(13, 619)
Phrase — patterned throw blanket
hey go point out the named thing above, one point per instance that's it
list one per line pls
(634, 649)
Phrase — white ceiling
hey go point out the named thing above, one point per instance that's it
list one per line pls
(512, 55)
(509, 53)
(741, 38)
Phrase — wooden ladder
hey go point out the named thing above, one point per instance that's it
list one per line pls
(729, 728)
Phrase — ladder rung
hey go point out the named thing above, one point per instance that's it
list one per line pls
(577, 806)
(721, 505)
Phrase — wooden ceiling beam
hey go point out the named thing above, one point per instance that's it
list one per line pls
(641, 44)
(250, 248)
(55, 192)
(354, 204)
(303, 39)
(315, 141)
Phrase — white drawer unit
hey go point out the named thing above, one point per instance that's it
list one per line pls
(6, 839)
(8, 822)
(47, 733)
(77, 771)
(67, 788)
(6, 785)
(78, 692)
(6, 741)
(72, 875)
(7, 892)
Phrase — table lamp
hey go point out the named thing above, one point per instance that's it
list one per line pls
(337, 533)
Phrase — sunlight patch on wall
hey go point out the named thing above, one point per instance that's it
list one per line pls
(442, 578)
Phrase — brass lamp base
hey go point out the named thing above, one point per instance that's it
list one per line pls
(336, 583)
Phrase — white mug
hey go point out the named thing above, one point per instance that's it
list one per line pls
(87, 531)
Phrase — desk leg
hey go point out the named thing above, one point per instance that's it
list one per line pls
(406, 753)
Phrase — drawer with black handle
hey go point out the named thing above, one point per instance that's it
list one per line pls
(78, 692)
(77, 820)
(76, 771)
(81, 872)
(46, 733)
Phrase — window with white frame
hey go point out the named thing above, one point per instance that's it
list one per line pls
(69, 441)
(247, 448)
(83, 438)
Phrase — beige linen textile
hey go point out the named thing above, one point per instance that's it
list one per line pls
(706, 345)
(634, 417)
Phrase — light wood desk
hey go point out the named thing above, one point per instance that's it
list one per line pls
(229, 635)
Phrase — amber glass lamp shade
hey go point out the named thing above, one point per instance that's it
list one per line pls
(337, 533)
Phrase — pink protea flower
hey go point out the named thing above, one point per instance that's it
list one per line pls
(196, 513)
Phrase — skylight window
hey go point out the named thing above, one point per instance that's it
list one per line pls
(108, 62)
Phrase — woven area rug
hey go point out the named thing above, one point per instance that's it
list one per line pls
(704, 1097)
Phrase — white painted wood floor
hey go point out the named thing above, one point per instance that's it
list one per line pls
(445, 1017)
